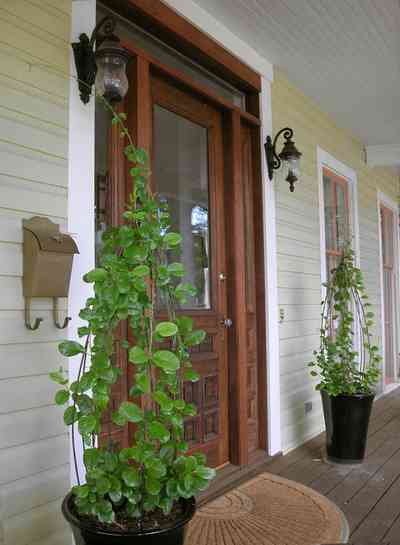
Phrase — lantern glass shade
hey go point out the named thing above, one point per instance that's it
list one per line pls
(293, 165)
(111, 80)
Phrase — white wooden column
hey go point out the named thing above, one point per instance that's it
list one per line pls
(80, 193)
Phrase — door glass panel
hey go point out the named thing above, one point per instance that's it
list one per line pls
(180, 168)
(102, 179)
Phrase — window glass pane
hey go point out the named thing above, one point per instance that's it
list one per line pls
(341, 218)
(329, 213)
(180, 169)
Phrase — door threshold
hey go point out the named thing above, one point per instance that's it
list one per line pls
(230, 476)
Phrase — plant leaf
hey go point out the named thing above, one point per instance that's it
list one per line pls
(166, 360)
(131, 412)
(61, 397)
(166, 329)
(70, 348)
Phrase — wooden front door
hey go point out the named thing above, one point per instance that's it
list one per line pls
(187, 173)
(205, 163)
(389, 287)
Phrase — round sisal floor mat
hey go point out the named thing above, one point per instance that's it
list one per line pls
(268, 510)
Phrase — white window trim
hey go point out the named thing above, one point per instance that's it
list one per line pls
(383, 199)
(324, 159)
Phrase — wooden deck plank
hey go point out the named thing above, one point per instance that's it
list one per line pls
(308, 464)
(368, 494)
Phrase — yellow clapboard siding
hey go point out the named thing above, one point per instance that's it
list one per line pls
(21, 394)
(34, 446)
(37, 15)
(11, 296)
(28, 493)
(298, 240)
(34, 524)
(11, 221)
(23, 70)
(42, 356)
(26, 164)
(28, 460)
(25, 426)
(44, 47)
(28, 196)
(13, 330)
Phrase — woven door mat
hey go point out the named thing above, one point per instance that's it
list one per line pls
(268, 510)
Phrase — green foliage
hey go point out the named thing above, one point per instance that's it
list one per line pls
(133, 272)
(346, 318)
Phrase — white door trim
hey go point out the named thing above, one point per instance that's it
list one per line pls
(80, 197)
(271, 285)
(383, 199)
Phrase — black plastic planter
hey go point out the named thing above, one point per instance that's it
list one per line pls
(86, 533)
(346, 421)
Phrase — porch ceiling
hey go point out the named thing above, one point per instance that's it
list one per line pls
(345, 54)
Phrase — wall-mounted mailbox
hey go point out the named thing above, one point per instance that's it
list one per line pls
(48, 256)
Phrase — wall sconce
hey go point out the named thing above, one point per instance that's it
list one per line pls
(289, 157)
(105, 67)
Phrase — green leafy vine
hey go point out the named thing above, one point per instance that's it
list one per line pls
(133, 271)
(346, 321)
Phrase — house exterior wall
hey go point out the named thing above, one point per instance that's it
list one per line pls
(34, 452)
(299, 248)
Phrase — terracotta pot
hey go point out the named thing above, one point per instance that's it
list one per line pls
(86, 533)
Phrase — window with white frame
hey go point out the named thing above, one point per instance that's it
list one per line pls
(337, 217)
(338, 211)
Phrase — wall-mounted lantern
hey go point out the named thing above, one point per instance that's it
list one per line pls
(289, 157)
(105, 67)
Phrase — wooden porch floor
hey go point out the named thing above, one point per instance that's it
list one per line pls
(369, 495)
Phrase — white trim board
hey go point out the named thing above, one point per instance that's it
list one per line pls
(271, 285)
(383, 199)
(324, 159)
(81, 204)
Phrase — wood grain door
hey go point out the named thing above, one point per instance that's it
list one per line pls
(389, 283)
(187, 172)
(205, 165)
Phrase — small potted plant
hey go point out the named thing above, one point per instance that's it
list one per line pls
(143, 493)
(347, 362)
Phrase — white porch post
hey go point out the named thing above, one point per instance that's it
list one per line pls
(271, 283)
(80, 194)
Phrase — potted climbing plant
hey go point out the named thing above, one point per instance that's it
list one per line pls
(143, 493)
(347, 362)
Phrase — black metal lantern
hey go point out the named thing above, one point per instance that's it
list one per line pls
(289, 157)
(106, 66)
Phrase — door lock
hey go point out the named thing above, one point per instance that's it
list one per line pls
(227, 322)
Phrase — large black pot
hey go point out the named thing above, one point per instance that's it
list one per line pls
(86, 533)
(346, 422)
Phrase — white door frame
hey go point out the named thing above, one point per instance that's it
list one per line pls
(383, 199)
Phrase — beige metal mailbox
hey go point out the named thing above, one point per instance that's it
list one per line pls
(48, 256)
